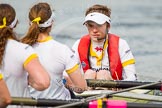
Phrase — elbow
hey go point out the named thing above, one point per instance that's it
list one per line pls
(41, 85)
(47, 83)
(44, 85)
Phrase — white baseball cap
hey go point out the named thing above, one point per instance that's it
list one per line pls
(98, 18)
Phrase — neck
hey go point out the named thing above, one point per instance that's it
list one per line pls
(42, 36)
(100, 40)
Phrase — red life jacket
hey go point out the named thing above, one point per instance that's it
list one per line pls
(113, 53)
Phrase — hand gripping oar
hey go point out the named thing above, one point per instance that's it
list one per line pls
(103, 95)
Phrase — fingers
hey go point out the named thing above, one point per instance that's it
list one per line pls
(104, 74)
(90, 74)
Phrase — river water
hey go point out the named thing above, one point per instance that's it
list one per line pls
(137, 21)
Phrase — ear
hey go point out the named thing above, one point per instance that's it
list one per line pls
(108, 27)
(49, 29)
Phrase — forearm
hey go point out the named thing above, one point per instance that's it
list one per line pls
(5, 98)
(78, 82)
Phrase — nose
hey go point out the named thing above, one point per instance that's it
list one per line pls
(94, 29)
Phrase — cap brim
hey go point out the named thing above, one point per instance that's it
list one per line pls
(97, 18)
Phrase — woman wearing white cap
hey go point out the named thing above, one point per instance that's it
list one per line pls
(55, 56)
(103, 55)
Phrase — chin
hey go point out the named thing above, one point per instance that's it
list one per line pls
(94, 39)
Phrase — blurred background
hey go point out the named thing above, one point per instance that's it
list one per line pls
(139, 22)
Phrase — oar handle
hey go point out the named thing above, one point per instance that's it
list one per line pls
(40, 102)
(23, 101)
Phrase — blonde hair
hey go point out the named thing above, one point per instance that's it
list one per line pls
(43, 11)
(7, 12)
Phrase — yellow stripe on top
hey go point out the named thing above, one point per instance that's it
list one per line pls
(1, 76)
(99, 103)
(46, 39)
(131, 61)
(30, 58)
(72, 69)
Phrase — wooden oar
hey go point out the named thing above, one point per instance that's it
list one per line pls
(103, 95)
(120, 84)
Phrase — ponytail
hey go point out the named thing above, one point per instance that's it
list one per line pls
(32, 34)
(41, 19)
(5, 34)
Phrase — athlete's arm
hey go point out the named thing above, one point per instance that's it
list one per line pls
(5, 98)
(128, 61)
(78, 80)
(130, 73)
(38, 76)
